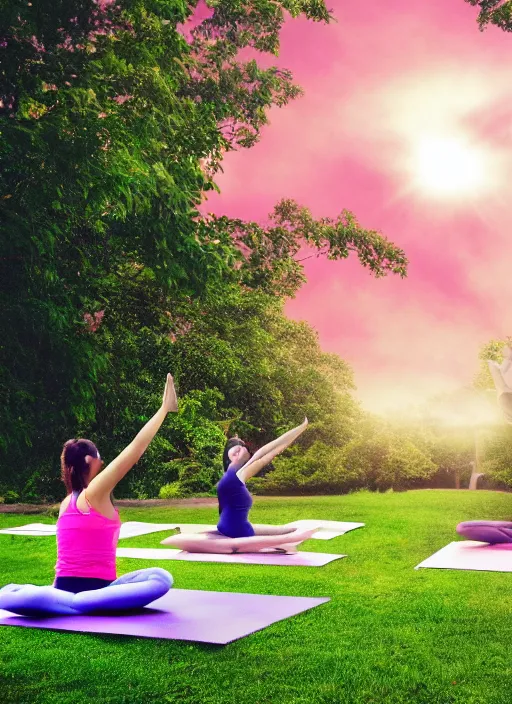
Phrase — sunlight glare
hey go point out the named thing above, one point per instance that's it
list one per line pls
(448, 167)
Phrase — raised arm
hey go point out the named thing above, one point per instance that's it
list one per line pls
(506, 366)
(100, 487)
(497, 376)
(277, 444)
(267, 453)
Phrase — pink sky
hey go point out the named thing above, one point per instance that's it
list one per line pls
(376, 82)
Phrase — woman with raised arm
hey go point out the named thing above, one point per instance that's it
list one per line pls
(494, 532)
(234, 531)
(502, 377)
(87, 533)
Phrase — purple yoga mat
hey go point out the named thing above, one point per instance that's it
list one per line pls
(299, 559)
(471, 555)
(184, 614)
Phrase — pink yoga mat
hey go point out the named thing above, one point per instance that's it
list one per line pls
(471, 555)
(184, 614)
(299, 559)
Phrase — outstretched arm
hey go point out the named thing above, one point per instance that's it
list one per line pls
(267, 453)
(100, 487)
(277, 444)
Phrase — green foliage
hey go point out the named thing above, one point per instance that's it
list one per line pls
(376, 458)
(186, 450)
(493, 350)
(269, 261)
(317, 470)
(10, 497)
(496, 12)
(386, 461)
(94, 140)
(196, 478)
(270, 370)
(52, 511)
(453, 452)
(113, 124)
(171, 491)
(498, 456)
(241, 366)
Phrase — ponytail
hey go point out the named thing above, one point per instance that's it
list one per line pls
(74, 468)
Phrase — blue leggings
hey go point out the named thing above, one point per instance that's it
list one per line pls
(131, 591)
(233, 525)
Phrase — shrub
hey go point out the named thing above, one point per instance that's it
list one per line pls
(173, 490)
(195, 478)
(383, 462)
(319, 470)
(11, 497)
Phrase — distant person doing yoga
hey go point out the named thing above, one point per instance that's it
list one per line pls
(234, 531)
(87, 533)
(494, 532)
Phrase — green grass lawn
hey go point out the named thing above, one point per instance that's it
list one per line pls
(389, 634)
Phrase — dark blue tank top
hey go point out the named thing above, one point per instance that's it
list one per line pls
(234, 505)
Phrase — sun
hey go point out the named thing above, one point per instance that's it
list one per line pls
(449, 166)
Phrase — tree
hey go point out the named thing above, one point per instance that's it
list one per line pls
(268, 254)
(498, 456)
(317, 470)
(266, 372)
(107, 144)
(383, 458)
(454, 452)
(375, 457)
(112, 127)
(497, 12)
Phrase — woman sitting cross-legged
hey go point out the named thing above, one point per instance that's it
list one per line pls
(234, 531)
(87, 533)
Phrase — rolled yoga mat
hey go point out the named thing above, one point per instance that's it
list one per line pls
(471, 555)
(298, 559)
(183, 614)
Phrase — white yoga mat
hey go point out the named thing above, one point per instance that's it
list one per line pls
(130, 529)
(328, 529)
(297, 559)
(32, 529)
(471, 555)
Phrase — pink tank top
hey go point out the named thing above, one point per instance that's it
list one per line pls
(86, 543)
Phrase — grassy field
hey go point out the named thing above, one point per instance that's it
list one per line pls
(389, 635)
